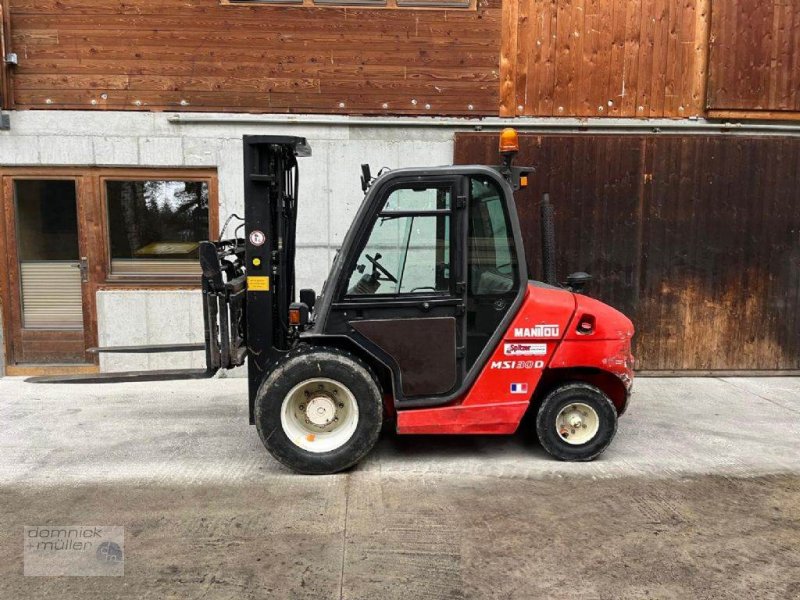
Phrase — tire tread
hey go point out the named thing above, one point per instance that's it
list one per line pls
(550, 440)
(287, 372)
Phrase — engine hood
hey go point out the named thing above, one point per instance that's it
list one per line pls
(609, 323)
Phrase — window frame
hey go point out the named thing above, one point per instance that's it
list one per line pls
(450, 183)
(461, 5)
(206, 176)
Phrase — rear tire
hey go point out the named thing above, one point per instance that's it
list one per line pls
(576, 422)
(319, 411)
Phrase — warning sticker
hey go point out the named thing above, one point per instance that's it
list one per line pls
(257, 237)
(258, 284)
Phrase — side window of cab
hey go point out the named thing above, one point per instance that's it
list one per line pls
(492, 267)
(408, 249)
(492, 257)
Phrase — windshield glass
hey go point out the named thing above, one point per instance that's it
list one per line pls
(408, 249)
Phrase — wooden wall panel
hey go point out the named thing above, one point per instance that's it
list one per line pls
(693, 237)
(559, 58)
(596, 58)
(6, 95)
(201, 55)
(755, 55)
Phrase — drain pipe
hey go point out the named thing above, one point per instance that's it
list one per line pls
(690, 126)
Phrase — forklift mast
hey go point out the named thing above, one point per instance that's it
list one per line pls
(248, 283)
(271, 180)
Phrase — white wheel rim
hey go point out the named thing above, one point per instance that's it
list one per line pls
(319, 415)
(577, 423)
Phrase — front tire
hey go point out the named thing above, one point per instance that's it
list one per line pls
(576, 422)
(319, 411)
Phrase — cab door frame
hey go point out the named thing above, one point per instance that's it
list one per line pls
(363, 318)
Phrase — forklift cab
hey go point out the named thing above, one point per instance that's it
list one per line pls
(427, 279)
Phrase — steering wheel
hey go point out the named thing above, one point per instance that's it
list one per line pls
(380, 267)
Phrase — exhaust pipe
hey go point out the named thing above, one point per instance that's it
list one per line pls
(548, 242)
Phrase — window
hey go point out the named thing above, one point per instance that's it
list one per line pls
(435, 3)
(47, 238)
(408, 250)
(492, 259)
(492, 265)
(155, 226)
(469, 4)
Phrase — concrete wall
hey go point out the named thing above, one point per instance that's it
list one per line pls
(330, 192)
(150, 317)
(2, 344)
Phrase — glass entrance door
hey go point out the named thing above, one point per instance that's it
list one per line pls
(47, 273)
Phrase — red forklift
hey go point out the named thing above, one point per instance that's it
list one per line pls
(427, 319)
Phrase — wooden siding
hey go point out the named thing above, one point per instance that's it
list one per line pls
(693, 237)
(552, 58)
(755, 55)
(598, 58)
(201, 55)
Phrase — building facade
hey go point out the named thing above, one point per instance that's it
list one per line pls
(664, 131)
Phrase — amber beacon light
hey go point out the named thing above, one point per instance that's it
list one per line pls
(509, 140)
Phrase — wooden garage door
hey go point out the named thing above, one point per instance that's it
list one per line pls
(696, 238)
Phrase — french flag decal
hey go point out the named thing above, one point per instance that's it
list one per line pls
(519, 388)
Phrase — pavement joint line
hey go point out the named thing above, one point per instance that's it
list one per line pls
(757, 395)
(348, 477)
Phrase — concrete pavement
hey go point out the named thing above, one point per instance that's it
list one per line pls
(196, 432)
(698, 497)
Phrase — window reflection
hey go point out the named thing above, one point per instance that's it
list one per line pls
(155, 226)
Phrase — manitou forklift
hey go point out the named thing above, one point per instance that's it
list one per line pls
(427, 319)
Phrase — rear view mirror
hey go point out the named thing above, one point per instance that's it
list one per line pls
(366, 177)
(577, 282)
(308, 297)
